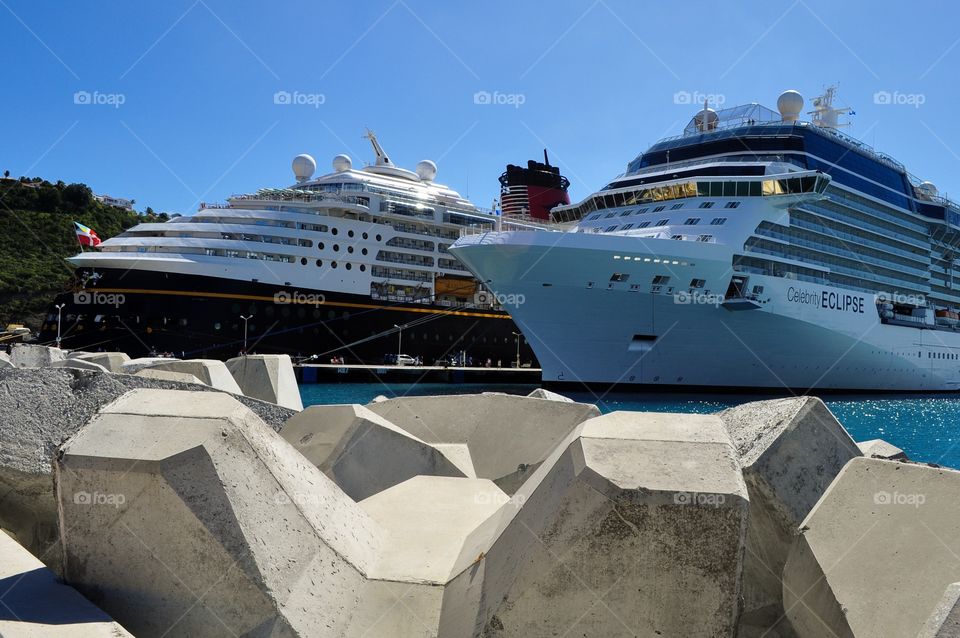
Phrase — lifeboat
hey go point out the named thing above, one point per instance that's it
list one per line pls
(947, 317)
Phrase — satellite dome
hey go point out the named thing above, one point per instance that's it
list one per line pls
(927, 189)
(304, 167)
(342, 163)
(426, 170)
(790, 103)
(706, 120)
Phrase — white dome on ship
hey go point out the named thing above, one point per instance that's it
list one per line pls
(426, 170)
(342, 163)
(790, 103)
(927, 189)
(706, 120)
(304, 167)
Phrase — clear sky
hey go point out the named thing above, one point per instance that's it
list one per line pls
(175, 102)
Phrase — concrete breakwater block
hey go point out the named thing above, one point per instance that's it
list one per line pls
(361, 451)
(5, 360)
(944, 622)
(211, 371)
(112, 361)
(880, 449)
(136, 365)
(540, 393)
(36, 605)
(26, 355)
(166, 375)
(188, 516)
(877, 552)
(268, 377)
(507, 436)
(790, 450)
(635, 527)
(78, 364)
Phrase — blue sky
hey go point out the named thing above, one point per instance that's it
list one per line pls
(596, 81)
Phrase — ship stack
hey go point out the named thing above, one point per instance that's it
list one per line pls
(172, 497)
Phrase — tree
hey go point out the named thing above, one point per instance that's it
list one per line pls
(6, 173)
(149, 211)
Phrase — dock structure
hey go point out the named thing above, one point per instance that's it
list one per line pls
(338, 372)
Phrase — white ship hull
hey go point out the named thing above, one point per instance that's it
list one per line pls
(799, 335)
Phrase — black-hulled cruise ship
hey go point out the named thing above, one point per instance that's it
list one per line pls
(754, 250)
(350, 266)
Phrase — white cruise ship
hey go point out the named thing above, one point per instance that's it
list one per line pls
(755, 250)
(348, 266)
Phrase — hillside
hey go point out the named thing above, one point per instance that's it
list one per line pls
(37, 218)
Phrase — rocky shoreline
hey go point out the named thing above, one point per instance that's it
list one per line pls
(198, 498)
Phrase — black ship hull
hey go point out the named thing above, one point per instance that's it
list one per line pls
(143, 313)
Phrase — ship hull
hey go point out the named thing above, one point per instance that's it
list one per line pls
(589, 330)
(144, 311)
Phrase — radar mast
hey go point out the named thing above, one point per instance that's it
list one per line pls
(825, 114)
(382, 159)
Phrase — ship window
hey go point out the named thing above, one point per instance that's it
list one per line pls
(349, 249)
(643, 224)
(349, 233)
(697, 283)
(319, 263)
(365, 236)
(662, 222)
(333, 264)
(362, 268)
(610, 228)
(729, 189)
(619, 276)
(692, 221)
(349, 266)
(677, 206)
(379, 237)
(661, 280)
(677, 237)
(743, 189)
(336, 248)
(626, 212)
(334, 231)
(363, 251)
(320, 246)
(716, 189)
(303, 261)
(731, 204)
(718, 221)
(706, 204)
(595, 216)
(658, 209)
(627, 227)
(609, 215)
(755, 189)
(705, 238)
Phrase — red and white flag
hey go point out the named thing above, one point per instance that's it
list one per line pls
(86, 235)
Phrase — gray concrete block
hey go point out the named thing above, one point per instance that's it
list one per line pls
(944, 622)
(791, 450)
(360, 451)
(877, 551)
(540, 393)
(880, 449)
(112, 361)
(268, 377)
(210, 371)
(26, 355)
(78, 364)
(166, 375)
(36, 605)
(170, 497)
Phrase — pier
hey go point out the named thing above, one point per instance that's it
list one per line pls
(337, 372)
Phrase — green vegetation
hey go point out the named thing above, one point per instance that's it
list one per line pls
(37, 218)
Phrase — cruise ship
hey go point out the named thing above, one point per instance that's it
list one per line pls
(352, 266)
(758, 249)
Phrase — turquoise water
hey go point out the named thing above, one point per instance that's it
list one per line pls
(926, 427)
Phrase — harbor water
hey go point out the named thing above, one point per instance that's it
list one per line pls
(924, 426)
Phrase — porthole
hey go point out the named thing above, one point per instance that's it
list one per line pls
(303, 261)
(363, 267)
(363, 251)
(349, 233)
(334, 231)
(320, 245)
(333, 264)
(336, 248)
(379, 238)
(349, 249)
(349, 266)
(319, 263)
(365, 236)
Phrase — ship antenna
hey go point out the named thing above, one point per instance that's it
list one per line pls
(382, 159)
(546, 160)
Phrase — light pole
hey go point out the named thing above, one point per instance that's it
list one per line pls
(245, 319)
(518, 335)
(399, 342)
(59, 308)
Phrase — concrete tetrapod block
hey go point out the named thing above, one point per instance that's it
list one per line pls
(166, 375)
(507, 436)
(36, 605)
(880, 449)
(361, 451)
(790, 450)
(212, 372)
(877, 552)
(26, 355)
(112, 361)
(268, 377)
(5, 361)
(633, 527)
(944, 622)
(79, 364)
(540, 393)
(188, 516)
